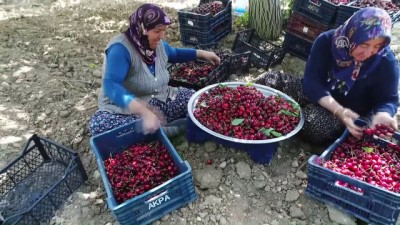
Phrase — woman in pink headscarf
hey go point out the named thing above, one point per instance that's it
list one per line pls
(135, 77)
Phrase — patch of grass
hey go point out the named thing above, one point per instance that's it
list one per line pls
(242, 22)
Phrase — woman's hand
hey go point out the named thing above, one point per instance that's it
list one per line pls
(210, 57)
(152, 118)
(384, 118)
(151, 123)
(347, 116)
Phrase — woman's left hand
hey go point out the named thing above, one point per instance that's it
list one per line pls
(210, 57)
(384, 118)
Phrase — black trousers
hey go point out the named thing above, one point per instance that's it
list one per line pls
(321, 127)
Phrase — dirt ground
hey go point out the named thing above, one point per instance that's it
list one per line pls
(51, 55)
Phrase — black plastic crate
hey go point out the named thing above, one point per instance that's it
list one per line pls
(194, 36)
(297, 46)
(238, 63)
(219, 74)
(320, 10)
(223, 54)
(264, 54)
(204, 23)
(38, 182)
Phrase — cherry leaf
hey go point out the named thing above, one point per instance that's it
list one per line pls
(368, 149)
(267, 132)
(249, 84)
(237, 121)
(222, 85)
(276, 134)
(287, 113)
(294, 104)
(203, 104)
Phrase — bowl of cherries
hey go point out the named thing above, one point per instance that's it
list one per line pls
(247, 116)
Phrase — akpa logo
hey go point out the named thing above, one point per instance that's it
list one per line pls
(159, 201)
(342, 42)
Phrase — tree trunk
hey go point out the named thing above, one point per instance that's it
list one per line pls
(265, 17)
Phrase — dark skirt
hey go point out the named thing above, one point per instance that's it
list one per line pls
(174, 111)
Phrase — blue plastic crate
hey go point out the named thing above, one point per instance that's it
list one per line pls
(297, 46)
(322, 11)
(375, 205)
(192, 36)
(264, 54)
(259, 153)
(38, 182)
(157, 202)
(204, 23)
(345, 11)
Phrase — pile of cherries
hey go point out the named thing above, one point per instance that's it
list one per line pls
(211, 7)
(192, 73)
(244, 112)
(386, 5)
(367, 160)
(195, 73)
(138, 169)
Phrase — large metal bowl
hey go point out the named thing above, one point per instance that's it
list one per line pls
(267, 91)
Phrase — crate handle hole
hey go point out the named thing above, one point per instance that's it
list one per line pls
(157, 196)
(349, 187)
(315, 2)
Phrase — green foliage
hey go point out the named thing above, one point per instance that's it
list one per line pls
(287, 9)
(242, 22)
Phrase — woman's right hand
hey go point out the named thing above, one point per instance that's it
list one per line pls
(348, 116)
(152, 120)
(151, 123)
(209, 56)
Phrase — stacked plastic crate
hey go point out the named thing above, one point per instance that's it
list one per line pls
(198, 29)
(309, 19)
(345, 11)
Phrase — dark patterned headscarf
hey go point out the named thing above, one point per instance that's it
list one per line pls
(366, 24)
(145, 18)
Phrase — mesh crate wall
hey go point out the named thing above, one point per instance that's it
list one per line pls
(39, 181)
(264, 54)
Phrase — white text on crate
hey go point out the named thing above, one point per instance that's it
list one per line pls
(159, 201)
